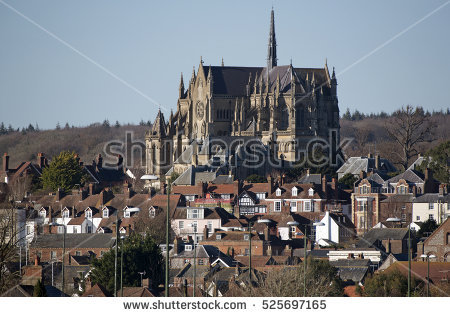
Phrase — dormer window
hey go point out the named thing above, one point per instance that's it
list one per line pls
(294, 191)
(43, 213)
(278, 192)
(88, 214)
(218, 236)
(311, 192)
(402, 190)
(188, 247)
(152, 212)
(105, 212)
(65, 213)
(126, 214)
(246, 237)
(195, 213)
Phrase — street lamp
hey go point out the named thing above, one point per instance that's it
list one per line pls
(394, 219)
(304, 258)
(428, 257)
(121, 266)
(64, 251)
(194, 227)
(141, 273)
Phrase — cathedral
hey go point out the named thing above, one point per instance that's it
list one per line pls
(283, 107)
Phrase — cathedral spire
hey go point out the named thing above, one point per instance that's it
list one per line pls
(272, 47)
(181, 88)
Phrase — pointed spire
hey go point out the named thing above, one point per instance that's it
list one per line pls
(222, 62)
(272, 47)
(181, 88)
(334, 74)
(193, 74)
(209, 74)
(159, 126)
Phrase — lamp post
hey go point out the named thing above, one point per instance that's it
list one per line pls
(141, 273)
(409, 251)
(428, 257)
(194, 228)
(64, 251)
(121, 266)
(115, 257)
(304, 258)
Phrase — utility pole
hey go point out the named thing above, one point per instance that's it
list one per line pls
(115, 259)
(166, 291)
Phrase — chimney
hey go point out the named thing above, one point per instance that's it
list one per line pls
(266, 233)
(205, 233)
(370, 155)
(388, 246)
(99, 161)
(119, 161)
(442, 189)
(307, 172)
(103, 196)
(283, 179)
(324, 185)
(333, 183)
(176, 246)
(36, 261)
(91, 189)
(428, 174)
(126, 190)
(414, 190)
(270, 183)
(41, 160)
(377, 161)
(58, 194)
(5, 162)
(362, 174)
(74, 214)
(50, 210)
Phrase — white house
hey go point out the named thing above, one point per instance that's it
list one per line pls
(431, 206)
(336, 228)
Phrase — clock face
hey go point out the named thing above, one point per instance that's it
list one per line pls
(200, 110)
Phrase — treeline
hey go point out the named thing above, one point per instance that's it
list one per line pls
(357, 115)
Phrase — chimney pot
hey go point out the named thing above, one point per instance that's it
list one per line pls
(5, 162)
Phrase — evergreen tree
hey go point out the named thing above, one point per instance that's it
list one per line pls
(58, 126)
(105, 123)
(3, 129)
(67, 126)
(140, 253)
(117, 124)
(30, 128)
(10, 128)
(348, 180)
(64, 172)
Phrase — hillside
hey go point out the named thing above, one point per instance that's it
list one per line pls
(369, 135)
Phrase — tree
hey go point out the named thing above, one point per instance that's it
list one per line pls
(39, 289)
(390, 284)
(58, 126)
(254, 178)
(437, 160)
(140, 253)
(64, 172)
(427, 228)
(117, 124)
(321, 280)
(173, 177)
(408, 127)
(347, 115)
(105, 123)
(9, 238)
(348, 180)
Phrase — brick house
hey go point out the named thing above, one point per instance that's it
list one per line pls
(437, 244)
(49, 247)
(236, 242)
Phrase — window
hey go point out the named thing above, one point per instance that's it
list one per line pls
(181, 224)
(364, 189)
(42, 213)
(417, 218)
(200, 262)
(293, 206)
(126, 214)
(246, 237)
(307, 205)
(293, 229)
(75, 230)
(186, 261)
(278, 192)
(210, 226)
(88, 229)
(60, 229)
(430, 205)
(78, 253)
(218, 236)
(53, 255)
(29, 230)
(246, 252)
(261, 196)
(311, 192)
(89, 214)
(448, 206)
(294, 191)
(278, 206)
(362, 205)
(404, 217)
(105, 213)
(194, 226)
(188, 247)
(402, 189)
(65, 214)
(431, 216)
(194, 214)
(448, 237)
(152, 212)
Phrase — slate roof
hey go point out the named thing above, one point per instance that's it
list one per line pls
(80, 240)
(379, 234)
(136, 292)
(96, 291)
(302, 193)
(411, 176)
(432, 198)
(354, 165)
(311, 179)
(355, 274)
(408, 198)
(223, 179)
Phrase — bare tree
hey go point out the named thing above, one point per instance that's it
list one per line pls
(408, 127)
(9, 237)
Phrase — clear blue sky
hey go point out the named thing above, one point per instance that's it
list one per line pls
(148, 43)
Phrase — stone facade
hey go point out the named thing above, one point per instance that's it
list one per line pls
(282, 106)
(438, 243)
